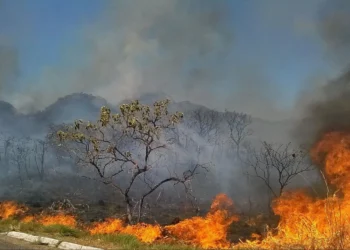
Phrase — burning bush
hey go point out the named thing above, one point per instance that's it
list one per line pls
(10, 208)
(316, 223)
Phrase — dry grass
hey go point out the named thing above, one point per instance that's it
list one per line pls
(64, 233)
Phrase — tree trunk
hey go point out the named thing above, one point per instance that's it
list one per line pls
(128, 210)
(140, 211)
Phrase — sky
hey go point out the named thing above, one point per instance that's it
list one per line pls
(275, 50)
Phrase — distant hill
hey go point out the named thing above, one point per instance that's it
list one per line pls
(87, 107)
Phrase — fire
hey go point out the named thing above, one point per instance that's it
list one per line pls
(207, 232)
(28, 218)
(305, 222)
(210, 231)
(109, 226)
(144, 232)
(317, 223)
(9, 209)
(334, 152)
(59, 219)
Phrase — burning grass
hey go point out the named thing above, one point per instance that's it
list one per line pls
(10, 209)
(305, 222)
(210, 231)
(207, 232)
(310, 223)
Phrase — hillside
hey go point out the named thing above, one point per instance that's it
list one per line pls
(87, 107)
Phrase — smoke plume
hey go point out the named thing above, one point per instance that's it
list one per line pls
(8, 68)
(143, 46)
(331, 110)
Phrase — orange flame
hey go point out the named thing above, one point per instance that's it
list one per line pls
(317, 223)
(59, 219)
(109, 226)
(305, 222)
(144, 232)
(28, 218)
(9, 209)
(208, 232)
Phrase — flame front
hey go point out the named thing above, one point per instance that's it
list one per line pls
(207, 232)
(145, 232)
(317, 223)
(58, 219)
(210, 231)
(305, 222)
(109, 226)
(9, 209)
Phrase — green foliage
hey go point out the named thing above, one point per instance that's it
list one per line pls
(172, 247)
(124, 241)
(136, 121)
(31, 227)
(8, 224)
(120, 241)
(104, 144)
(63, 231)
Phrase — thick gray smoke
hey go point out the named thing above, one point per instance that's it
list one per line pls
(8, 68)
(334, 27)
(331, 110)
(183, 48)
(143, 46)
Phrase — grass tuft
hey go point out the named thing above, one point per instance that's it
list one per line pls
(8, 225)
(125, 241)
(63, 231)
(30, 227)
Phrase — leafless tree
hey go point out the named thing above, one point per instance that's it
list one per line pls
(238, 125)
(39, 151)
(124, 148)
(20, 153)
(205, 122)
(277, 165)
(6, 141)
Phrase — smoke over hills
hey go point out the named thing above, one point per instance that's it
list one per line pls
(182, 49)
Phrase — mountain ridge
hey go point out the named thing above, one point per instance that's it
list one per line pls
(87, 107)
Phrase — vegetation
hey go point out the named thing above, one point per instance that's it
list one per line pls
(106, 146)
(108, 241)
(140, 151)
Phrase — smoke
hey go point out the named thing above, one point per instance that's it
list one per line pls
(138, 47)
(334, 27)
(8, 68)
(186, 49)
(328, 105)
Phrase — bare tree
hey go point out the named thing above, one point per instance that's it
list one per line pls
(124, 148)
(4, 155)
(20, 156)
(8, 143)
(277, 165)
(205, 122)
(39, 151)
(238, 125)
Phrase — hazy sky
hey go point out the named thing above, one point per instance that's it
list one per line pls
(260, 55)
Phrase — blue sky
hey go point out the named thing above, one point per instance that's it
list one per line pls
(42, 30)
